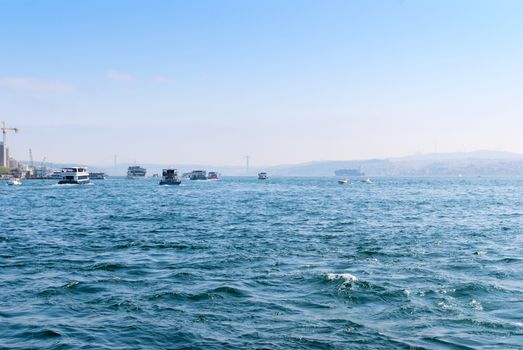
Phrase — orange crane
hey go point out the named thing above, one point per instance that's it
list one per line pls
(5, 129)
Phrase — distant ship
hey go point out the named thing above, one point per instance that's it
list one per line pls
(198, 175)
(262, 176)
(213, 175)
(97, 176)
(349, 172)
(170, 177)
(74, 175)
(136, 172)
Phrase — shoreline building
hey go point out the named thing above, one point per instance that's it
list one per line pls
(13, 163)
(2, 154)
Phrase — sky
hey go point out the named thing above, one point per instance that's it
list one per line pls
(209, 82)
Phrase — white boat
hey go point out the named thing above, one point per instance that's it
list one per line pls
(97, 176)
(213, 175)
(343, 181)
(367, 181)
(262, 176)
(170, 177)
(198, 175)
(74, 175)
(14, 182)
(136, 172)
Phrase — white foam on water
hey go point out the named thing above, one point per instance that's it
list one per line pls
(476, 305)
(345, 276)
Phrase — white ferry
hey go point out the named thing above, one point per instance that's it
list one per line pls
(74, 175)
(262, 176)
(170, 177)
(136, 172)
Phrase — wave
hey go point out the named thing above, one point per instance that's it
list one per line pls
(213, 293)
(108, 266)
(347, 277)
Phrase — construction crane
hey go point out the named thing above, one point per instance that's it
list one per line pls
(5, 162)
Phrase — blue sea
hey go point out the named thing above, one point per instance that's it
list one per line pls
(288, 263)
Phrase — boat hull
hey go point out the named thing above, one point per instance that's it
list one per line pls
(170, 183)
(73, 182)
(198, 178)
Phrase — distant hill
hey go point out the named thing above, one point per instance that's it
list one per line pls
(481, 154)
(483, 162)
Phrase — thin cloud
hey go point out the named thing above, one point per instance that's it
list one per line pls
(119, 76)
(29, 84)
(161, 79)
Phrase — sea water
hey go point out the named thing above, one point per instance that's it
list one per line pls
(287, 263)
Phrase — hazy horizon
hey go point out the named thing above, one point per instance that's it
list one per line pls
(476, 155)
(283, 82)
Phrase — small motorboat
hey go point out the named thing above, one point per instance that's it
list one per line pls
(14, 182)
(263, 176)
(97, 176)
(213, 175)
(343, 181)
(367, 181)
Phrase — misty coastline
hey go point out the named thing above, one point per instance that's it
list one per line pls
(477, 163)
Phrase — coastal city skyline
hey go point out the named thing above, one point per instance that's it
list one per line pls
(281, 82)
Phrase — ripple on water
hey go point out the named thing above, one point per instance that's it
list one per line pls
(288, 263)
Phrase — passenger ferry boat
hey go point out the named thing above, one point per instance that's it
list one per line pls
(97, 176)
(213, 175)
(136, 172)
(262, 176)
(170, 177)
(198, 175)
(74, 175)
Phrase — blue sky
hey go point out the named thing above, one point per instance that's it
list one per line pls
(284, 81)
